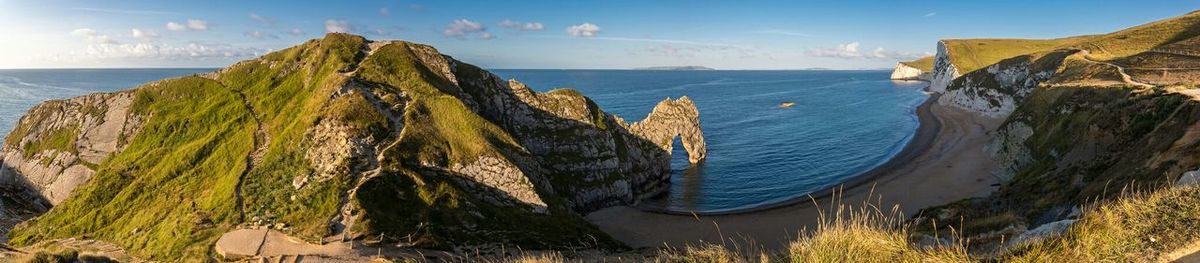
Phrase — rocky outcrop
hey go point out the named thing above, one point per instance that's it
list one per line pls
(906, 72)
(1188, 179)
(57, 145)
(343, 138)
(944, 71)
(672, 119)
(996, 90)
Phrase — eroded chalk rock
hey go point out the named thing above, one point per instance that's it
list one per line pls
(94, 127)
(674, 118)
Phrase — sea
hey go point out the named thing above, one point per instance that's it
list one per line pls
(841, 123)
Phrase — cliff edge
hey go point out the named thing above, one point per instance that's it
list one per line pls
(339, 138)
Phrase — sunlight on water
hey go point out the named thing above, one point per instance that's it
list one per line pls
(843, 123)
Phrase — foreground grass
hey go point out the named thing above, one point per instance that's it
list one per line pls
(1139, 227)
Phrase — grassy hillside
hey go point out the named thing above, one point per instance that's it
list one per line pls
(234, 149)
(1141, 38)
(924, 64)
(972, 54)
(173, 160)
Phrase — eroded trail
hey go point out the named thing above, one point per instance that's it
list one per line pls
(1125, 77)
(261, 140)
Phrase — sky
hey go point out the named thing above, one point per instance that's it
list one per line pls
(864, 34)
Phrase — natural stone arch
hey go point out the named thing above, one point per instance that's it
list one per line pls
(670, 119)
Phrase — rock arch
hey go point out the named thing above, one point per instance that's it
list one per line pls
(670, 119)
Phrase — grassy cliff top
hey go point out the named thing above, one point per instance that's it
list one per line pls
(924, 64)
(972, 54)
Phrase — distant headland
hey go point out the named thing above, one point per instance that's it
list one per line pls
(676, 68)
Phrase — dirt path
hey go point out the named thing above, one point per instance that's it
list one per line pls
(1124, 76)
(261, 140)
(1188, 254)
(274, 246)
(955, 166)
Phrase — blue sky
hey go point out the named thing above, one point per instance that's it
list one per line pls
(546, 34)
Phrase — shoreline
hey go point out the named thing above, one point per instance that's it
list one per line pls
(928, 128)
(948, 163)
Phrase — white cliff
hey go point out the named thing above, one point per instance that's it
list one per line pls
(906, 72)
(96, 126)
(944, 71)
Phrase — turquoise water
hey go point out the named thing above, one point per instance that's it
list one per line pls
(843, 122)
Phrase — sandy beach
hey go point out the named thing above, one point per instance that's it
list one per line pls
(944, 162)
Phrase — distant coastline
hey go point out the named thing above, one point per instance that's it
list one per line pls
(676, 68)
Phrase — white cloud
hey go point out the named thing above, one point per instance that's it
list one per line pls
(144, 34)
(847, 51)
(161, 51)
(338, 26)
(463, 28)
(880, 53)
(83, 32)
(176, 26)
(583, 30)
(92, 36)
(260, 35)
(931, 14)
(196, 24)
(296, 32)
(383, 11)
(528, 26)
(124, 11)
(851, 51)
(262, 19)
(191, 25)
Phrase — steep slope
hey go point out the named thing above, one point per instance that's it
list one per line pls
(1014, 67)
(956, 57)
(337, 139)
(920, 69)
(1083, 123)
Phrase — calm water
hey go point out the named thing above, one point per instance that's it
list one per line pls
(843, 123)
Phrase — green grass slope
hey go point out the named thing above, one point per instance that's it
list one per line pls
(924, 64)
(173, 186)
(972, 54)
(223, 152)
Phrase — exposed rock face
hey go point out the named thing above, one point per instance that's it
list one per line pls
(346, 138)
(1190, 178)
(906, 72)
(996, 90)
(944, 71)
(671, 119)
(55, 146)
